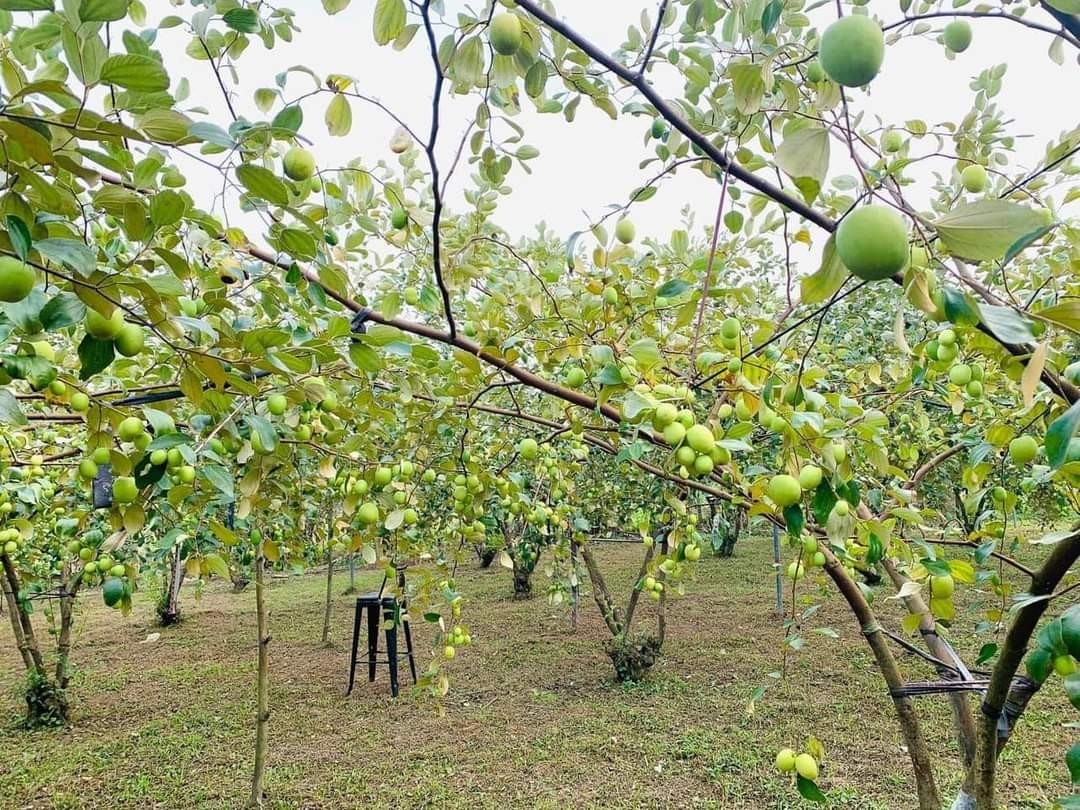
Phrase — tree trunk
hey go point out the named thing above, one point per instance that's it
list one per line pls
(925, 785)
(1024, 624)
(352, 576)
(170, 613)
(262, 716)
(522, 579)
(328, 610)
(575, 588)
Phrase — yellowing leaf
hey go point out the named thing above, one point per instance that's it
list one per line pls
(338, 116)
(1032, 372)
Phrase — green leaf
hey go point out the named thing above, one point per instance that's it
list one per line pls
(267, 434)
(211, 133)
(335, 6)
(809, 790)
(10, 412)
(795, 519)
(1060, 433)
(1072, 761)
(20, 237)
(1066, 314)
(64, 309)
(1072, 689)
(986, 652)
(805, 153)
(289, 118)
(263, 184)
(633, 404)
(609, 375)
(748, 86)
(823, 502)
(646, 352)
(69, 252)
(389, 20)
(217, 566)
(1024, 242)
(219, 478)
(297, 243)
(1006, 324)
(338, 116)
(1065, 6)
(1070, 630)
(536, 79)
(365, 357)
(166, 208)
(103, 10)
(94, 355)
(26, 5)
(131, 71)
(986, 229)
(672, 288)
(827, 279)
(468, 64)
(959, 308)
(244, 20)
(770, 16)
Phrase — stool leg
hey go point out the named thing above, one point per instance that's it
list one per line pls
(355, 646)
(391, 650)
(408, 650)
(372, 640)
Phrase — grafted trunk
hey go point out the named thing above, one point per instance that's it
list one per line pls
(169, 612)
(262, 680)
(522, 579)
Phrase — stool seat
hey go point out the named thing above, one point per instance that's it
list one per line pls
(377, 598)
(393, 615)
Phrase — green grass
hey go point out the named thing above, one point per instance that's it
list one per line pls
(533, 718)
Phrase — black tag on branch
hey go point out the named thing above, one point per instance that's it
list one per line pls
(102, 486)
(359, 320)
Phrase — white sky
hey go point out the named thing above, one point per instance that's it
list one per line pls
(592, 163)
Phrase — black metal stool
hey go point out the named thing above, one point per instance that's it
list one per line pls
(377, 603)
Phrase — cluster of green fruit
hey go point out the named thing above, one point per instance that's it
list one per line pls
(809, 556)
(804, 764)
(457, 637)
(127, 338)
(9, 540)
(1057, 650)
(653, 587)
(787, 490)
(696, 450)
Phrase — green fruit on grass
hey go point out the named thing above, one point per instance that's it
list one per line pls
(102, 328)
(784, 490)
(298, 163)
(872, 242)
(785, 760)
(957, 36)
(806, 766)
(624, 231)
(16, 279)
(974, 178)
(129, 340)
(505, 34)
(852, 50)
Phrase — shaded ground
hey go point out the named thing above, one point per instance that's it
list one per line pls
(532, 719)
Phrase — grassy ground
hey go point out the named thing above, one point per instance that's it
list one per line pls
(532, 720)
